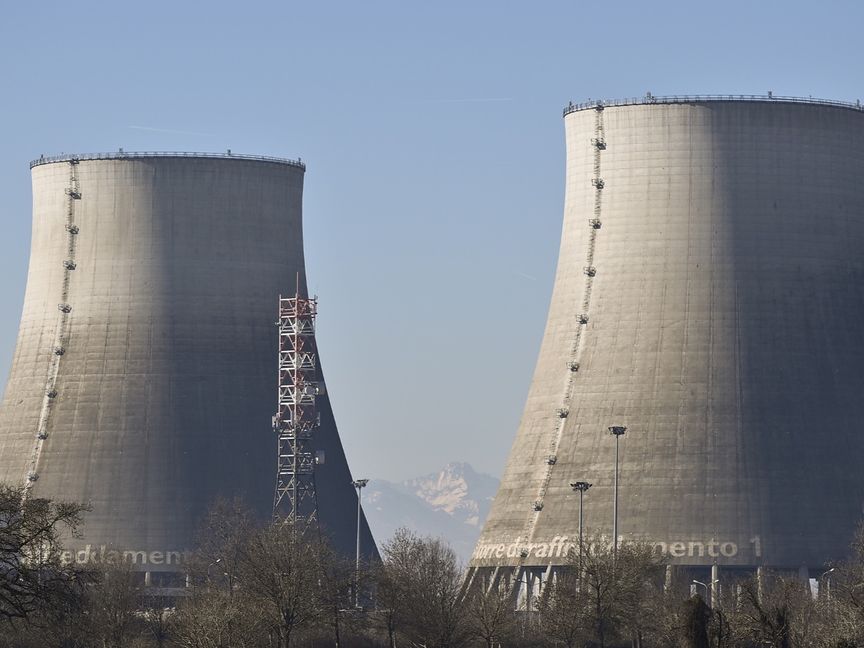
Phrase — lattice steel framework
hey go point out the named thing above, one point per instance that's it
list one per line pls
(297, 419)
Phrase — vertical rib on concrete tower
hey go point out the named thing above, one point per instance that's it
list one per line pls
(710, 297)
(145, 374)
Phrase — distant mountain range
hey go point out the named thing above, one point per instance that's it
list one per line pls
(451, 504)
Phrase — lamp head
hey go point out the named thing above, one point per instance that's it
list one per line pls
(580, 486)
(359, 483)
(618, 430)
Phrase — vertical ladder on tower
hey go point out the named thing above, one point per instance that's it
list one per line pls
(598, 143)
(60, 342)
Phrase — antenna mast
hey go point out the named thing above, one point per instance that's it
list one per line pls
(297, 418)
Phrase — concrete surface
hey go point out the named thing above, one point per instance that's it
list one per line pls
(168, 378)
(724, 330)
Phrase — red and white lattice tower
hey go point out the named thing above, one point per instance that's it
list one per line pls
(297, 419)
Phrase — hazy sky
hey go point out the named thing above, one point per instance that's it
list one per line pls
(434, 142)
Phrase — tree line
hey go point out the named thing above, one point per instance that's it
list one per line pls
(254, 585)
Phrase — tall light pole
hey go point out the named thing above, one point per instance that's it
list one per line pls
(213, 564)
(828, 588)
(580, 486)
(358, 484)
(707, 590)
(617, 431)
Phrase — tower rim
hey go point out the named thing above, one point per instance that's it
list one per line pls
(649, 99)
(134, 155)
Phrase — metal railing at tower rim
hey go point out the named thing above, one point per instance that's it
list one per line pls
(684, 99)
(123, 155)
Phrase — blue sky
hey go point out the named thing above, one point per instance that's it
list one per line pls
(434, 142)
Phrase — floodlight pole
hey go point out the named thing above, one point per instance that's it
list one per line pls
(358, 484)
(617, 431)
(709, 590)
(828, 588)
(581, 487)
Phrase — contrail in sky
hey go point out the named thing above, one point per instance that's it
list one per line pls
(527, 276)
(168, 130)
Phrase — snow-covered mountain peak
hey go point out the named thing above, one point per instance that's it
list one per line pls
(452, 502)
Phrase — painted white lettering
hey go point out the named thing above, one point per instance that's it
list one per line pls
(84, 556)
(677, 549)
(558, 547)
(729, 549)
(135, 557)
(756, 541)
(693, 547)
(712, 547)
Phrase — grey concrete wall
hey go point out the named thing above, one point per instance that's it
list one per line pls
(168, 380)
(725, 330)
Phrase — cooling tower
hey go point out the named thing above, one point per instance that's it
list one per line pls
(709, 296)
(145, 375)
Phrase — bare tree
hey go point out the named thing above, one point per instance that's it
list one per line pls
(666, 619)
(421, 585)
(780, 613)
(841, 597)
(281, 574)
(156, 612)
(33, 574)
(279, 580)
(222, 541)
(601, 597)
(110, 616)
(336, 593)
(214, 618)
(58, 626)
(491, 613)
(696, 617)
(389, 606)
(562, 609)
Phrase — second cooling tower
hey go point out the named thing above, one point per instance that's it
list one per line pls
(145, 375)
(709, 297)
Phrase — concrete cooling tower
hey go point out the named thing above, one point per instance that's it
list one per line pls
(145, 375)
(709, 297)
